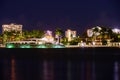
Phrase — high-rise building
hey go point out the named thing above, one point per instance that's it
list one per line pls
(11, 27)
(70, 34)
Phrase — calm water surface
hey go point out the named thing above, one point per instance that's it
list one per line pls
(60, 64)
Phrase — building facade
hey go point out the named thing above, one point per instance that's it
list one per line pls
(11, 27)
(70, 34)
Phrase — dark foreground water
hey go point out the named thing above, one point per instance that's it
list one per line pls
(60, 64)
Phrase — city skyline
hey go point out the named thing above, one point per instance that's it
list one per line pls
(76, 15)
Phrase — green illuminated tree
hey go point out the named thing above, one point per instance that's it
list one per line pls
(5, 38)
(59, 34)
(37, 33)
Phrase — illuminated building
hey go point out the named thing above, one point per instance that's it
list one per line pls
(70, 34)
(48, 33)
(11, 27)
(48, 37)
(115, 30)
(89, 32)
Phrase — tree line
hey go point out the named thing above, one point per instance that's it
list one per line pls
(104, 34)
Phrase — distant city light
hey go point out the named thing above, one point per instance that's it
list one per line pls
(70, 34)
(93, 43)
(90, 32)
(10, 46)
(25, 46)
(49, 33)
(116, 30)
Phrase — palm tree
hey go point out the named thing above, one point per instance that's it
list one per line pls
(110, 33)
(18, 36)
(58, 34)
(5, 37)
(95, 31)
(1, 38)
(64, 40)
(33, 33)
(8, 34)
(103, 31)
(41, 34)
(37, 33)
(26, 34)
(106, 33)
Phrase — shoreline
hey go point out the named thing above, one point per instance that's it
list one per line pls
(73, 46)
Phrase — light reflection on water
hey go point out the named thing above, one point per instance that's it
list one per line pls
(56, 70)
(15, 69)
(48, 70)
(116, 76)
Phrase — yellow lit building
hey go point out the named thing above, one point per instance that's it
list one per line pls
(70, 34)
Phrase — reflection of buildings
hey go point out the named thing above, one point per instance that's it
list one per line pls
(70, 34)
(48, 70)
(13, 69)
(11, 27)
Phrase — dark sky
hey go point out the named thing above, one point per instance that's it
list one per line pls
(50, 14)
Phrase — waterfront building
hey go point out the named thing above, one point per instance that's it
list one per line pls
(94, 31)
(70, 34)
(95, 34)
(11, 27)
(48, 37)
(89, 32)
(115, 30)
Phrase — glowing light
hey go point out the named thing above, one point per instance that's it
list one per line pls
(41, 46)
(93, 43)
(49, 33)
(115, 30)
(25, 46)
(70, 34)
(50, 46)
(58, 46)
(22, 46)
(90, 32)
(82, 43)
(10, 46)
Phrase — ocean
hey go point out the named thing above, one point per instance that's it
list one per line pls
(60, 64)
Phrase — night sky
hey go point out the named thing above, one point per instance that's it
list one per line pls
(50, 14)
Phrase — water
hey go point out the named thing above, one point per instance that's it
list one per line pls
(60, 64)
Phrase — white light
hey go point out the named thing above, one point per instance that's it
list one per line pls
(49, 33)
(93, 43)
(89, 32)
(82, 44)
(116, 30)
